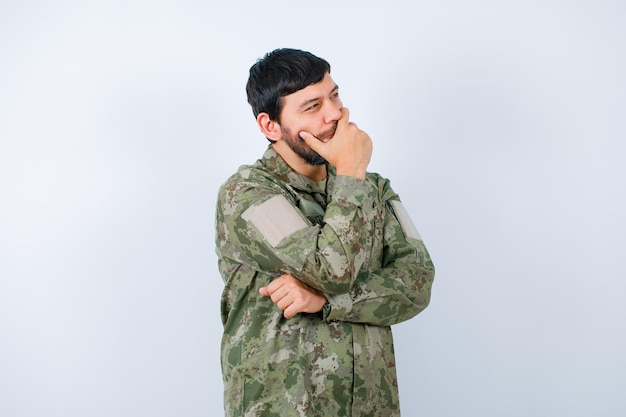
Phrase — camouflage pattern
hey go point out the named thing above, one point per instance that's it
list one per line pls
(339, 362)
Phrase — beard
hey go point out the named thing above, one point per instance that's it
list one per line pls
(304, 151)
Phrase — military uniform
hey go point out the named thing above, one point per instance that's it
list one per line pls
(351, 239)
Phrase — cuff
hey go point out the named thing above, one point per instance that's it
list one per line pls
(356, 191)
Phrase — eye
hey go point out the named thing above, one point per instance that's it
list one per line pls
(312, 107)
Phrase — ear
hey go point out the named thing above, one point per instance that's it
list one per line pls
(270, 128)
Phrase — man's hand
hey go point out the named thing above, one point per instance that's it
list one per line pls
(350, 149)
(293, 296)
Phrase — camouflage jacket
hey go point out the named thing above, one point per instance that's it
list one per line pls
(351, 240)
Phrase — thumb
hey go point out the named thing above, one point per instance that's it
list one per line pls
(313, 142)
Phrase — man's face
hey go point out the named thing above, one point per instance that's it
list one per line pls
(315, 109)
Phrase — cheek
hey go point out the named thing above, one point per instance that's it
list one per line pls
(307, 126)
(313, 125)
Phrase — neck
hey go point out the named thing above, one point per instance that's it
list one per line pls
(314, 172)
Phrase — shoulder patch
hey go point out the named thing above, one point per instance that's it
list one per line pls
(405, 220)
(275, 219)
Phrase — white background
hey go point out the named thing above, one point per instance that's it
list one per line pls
(500, 123)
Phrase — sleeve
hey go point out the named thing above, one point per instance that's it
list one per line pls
(260, 225)
(400, 288)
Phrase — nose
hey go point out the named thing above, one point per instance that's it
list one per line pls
(333, 112)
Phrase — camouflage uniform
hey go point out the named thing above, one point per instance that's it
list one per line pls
(353, 241)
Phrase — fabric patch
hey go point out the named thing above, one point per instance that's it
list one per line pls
(275, 219)
(405, 220)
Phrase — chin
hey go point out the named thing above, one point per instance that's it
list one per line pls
(315, 160)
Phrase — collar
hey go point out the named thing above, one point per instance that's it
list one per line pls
(274, 163)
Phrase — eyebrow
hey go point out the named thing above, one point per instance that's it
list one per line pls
(306, 103)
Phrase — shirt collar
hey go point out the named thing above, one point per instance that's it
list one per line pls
(275, 164)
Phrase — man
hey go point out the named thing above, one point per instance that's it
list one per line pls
(318, 257)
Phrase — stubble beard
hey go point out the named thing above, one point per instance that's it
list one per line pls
(304, 151)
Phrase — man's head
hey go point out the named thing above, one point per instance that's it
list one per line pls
(290, 92)
(280, 73)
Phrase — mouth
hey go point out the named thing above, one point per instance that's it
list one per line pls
(328, 135)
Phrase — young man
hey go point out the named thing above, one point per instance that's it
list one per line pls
(318, 256)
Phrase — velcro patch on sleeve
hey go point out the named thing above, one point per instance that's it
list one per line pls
(275, 219)
(405, 220)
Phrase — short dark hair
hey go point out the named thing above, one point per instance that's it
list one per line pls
(280, 73)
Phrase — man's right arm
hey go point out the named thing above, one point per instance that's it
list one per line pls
(260, 225)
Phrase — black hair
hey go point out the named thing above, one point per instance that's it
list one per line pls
(280, 73)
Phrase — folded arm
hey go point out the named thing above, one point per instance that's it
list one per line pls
(260, 225)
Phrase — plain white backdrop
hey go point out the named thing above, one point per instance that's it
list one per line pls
(501, 125)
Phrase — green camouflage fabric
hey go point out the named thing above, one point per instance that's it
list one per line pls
(339, 362)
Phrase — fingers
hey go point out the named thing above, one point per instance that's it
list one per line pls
(281, 295)
(278, 290)
(293, 296)
(345, 118)
(276, 284)
(290, 311)
(315, 143)
(349, 150)
(309, 139)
